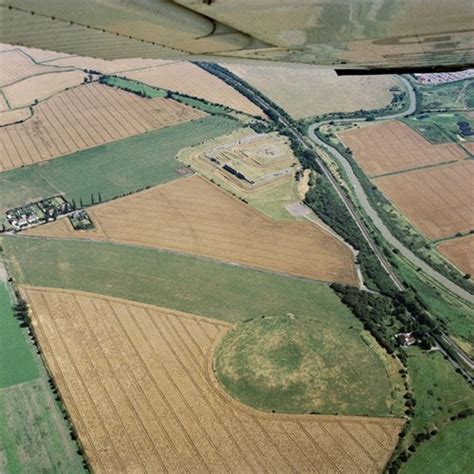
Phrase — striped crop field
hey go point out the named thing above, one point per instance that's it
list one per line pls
(139, 385)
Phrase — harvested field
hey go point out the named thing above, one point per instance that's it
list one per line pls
(189, 79)
(41, 55)
(195, 217)
(15, 65)
(436, 200)
(138, 383)
(25, 92)
(109, 67)
(391, 147)
(84, 117)
(469, 146)
(460, 252)
(14, 116)
(3, 103)
(307, 91)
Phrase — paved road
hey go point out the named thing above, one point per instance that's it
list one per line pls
(362, 197)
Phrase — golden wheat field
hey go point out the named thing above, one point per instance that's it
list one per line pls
(460, 252)
(437, 200)
(194, 217)
(138, 383)
(192, 80)
(391, 147)
(84, 117)
(307, 91)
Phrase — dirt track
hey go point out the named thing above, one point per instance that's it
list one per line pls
(137, 381)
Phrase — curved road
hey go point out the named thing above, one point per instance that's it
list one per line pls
(377, 221)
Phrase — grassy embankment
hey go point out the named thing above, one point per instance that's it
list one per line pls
(345, 352)
(34, 437)
(437, 437)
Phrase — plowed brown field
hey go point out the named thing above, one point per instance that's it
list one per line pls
(437, 200)
(195, 217)
(192, 80)
(138, 383)
(460, 252)
(393, 146)
(84, 117)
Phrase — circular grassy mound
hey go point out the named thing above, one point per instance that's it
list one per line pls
(284, 364)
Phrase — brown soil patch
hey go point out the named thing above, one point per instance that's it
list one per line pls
(436, 200)
(195, 217)
(192, 80)
(307, 91)
(393, 146)
(84, 117)
(459, 252)
(25, 92)
(137, 381)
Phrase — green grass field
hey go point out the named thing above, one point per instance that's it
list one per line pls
(215, 290)
(456, 315)
(438, 127)
(289, 363)
(450, 451)
(185, 283)
(16, 362)
(34, 437)
(196, 103)
(439, 391)
(113, 169)
(453, 96)
(272, 201)
(134, 86)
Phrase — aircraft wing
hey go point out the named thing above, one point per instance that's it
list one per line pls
(353, 34)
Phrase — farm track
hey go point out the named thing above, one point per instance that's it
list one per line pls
(151, 402)
(195, 217)
(85, 117)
